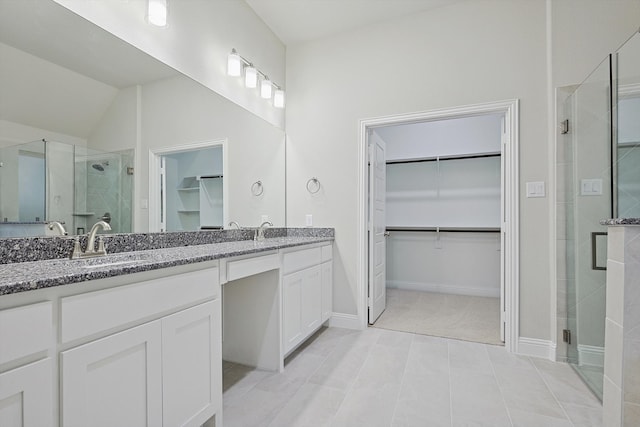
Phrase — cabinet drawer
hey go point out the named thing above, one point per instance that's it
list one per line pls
(327, 253)
(25, 330)
(237, 269)
(94, 312)
(298, 260)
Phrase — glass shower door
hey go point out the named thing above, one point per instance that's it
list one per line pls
(628, 129)
(589, 200)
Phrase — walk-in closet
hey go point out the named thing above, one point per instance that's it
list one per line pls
(192, 184)
(443, 235)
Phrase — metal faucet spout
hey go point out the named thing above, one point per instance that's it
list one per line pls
(260, 231)
(58, 226)
(92, 235)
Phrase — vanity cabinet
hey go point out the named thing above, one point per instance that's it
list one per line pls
(26, 386)
(163, 372)
(306, 294)
(26, 398)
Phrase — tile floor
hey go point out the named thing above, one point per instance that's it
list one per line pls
(379, 377)
(461, 317)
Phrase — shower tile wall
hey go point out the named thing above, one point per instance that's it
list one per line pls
(107, 190)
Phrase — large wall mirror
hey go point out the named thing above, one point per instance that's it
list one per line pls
(82, 115)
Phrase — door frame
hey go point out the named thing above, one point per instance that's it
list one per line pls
(155, 155)
(510, 226)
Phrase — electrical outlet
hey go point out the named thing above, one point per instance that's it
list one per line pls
(264, 218)
(309, 220)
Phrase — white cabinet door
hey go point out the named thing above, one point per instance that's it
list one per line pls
(114, 381)
(192, 365)
(327, 290)
(301, 305)
(26, 396)
(292, 322)
(311, 300)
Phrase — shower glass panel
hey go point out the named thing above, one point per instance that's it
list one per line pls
(628, 129)
(588, 200)
(103, 189)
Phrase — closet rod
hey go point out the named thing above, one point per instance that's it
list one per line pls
(448, 229)
(433, 159)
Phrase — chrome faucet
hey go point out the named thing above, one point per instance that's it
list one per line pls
(260, 231)
(232, 223)
(90, 251)
(58, 226)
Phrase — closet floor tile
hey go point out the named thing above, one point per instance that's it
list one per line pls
(461, 317)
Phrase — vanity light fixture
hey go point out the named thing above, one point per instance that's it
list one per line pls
(250, 76)
(266, 88)
(278, 98)
(236, 64)
(157, 12)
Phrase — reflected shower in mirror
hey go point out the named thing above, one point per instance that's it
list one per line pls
(88, 88)
(46, 181)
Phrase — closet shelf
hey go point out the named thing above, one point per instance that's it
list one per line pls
(447, 229)
(443, 158)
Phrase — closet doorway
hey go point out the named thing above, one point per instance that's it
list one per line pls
(447, 262)
(187, 187)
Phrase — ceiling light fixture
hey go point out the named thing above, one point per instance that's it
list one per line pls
(157, 12)
(235, 65)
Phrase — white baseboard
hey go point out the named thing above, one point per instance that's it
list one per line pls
(444, 289)
(589, 355)
(346, 321)
(536, 348)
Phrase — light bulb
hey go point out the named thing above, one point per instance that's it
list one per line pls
(250, 76)
(157, 12)
(234, 64)
(266, 88)
(278, 98)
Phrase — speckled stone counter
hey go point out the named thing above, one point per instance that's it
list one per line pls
(621, 221)
(43, 248)
(18, 277)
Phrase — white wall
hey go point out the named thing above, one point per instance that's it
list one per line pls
(466, 53)
(468, 135)
(584, 32)
(196, 41)
(454, 263)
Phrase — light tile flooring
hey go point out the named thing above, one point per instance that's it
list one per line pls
(378, 377)
(461, 317)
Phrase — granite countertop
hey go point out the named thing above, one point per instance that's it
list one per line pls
(621, 221)
(27, 276)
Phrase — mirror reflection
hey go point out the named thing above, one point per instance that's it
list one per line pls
(43, 181)
(85, 114)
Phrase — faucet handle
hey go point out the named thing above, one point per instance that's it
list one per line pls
(75, 253)
(101, 248)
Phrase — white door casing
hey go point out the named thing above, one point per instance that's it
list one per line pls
(377, 245)
(510, 205)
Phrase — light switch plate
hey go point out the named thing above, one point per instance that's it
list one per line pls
(591, 187)
(536, 189)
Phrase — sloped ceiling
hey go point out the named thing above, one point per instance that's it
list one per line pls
(297, 21)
